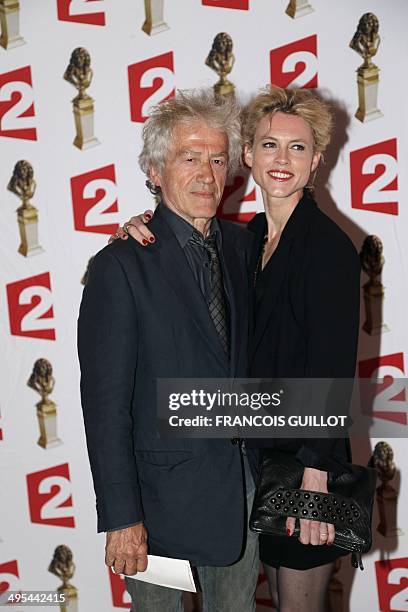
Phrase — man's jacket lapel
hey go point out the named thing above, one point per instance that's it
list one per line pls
(236, 281)
(177, 273)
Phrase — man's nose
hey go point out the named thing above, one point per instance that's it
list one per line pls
(205, 173)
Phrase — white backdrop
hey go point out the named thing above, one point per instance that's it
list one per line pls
(37, 125)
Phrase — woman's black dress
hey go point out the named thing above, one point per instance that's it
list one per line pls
(306, 318)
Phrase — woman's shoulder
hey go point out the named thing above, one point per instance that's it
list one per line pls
(324, 232)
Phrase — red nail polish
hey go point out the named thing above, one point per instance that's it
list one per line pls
(288, 532)
(152, 239)
(148, 217)
(144, 242)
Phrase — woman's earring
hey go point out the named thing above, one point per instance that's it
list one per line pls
(311, 182)
(312, 178)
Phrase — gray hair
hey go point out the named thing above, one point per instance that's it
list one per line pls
(190, 106)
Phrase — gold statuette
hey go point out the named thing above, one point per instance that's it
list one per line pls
(42, 381)
(154, 22)
(298, 8)
(365, 42)
(79, 74)
(387, 496)
(372, 261)
(221, 59)
(63, 567)
(10, 24)
(23, 185)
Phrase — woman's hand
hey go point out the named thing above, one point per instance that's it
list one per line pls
(136, 227)
(313, 532)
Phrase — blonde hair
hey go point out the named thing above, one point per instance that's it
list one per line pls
(300, 102)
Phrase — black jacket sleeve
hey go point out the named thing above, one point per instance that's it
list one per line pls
(332, 293)
(108, 349)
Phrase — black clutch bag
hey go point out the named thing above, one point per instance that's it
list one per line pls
(348, 505)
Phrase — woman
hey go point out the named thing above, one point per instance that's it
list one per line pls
(306, 280)
(306, 302)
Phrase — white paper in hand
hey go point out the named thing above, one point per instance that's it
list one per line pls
(167, 572)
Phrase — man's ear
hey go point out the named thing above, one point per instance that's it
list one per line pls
(315, 161)
(248, 155)
(154, 176)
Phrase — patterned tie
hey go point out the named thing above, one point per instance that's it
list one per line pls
(217, 304)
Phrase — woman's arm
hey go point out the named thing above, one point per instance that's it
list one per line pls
(332, 308)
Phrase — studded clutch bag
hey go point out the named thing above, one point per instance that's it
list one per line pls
(348, 504)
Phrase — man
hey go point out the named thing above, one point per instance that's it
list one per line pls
(175, 310)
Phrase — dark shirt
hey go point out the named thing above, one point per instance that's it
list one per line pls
(261, 278)
(198, 257)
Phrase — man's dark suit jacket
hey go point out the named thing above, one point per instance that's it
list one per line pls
(306, 324)
(142, 317)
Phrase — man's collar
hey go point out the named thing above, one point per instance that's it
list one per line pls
(184, 230)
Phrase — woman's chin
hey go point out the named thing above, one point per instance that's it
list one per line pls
(282, 191)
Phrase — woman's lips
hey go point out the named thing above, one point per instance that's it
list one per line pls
(280, 175)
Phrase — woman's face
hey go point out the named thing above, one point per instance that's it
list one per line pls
(282, 156)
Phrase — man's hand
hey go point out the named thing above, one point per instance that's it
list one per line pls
(313, 532)
(136, 227)
(126, 550)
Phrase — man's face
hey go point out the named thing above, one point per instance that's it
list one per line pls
(193, 178)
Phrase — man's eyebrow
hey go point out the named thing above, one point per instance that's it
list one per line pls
(190, 152)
